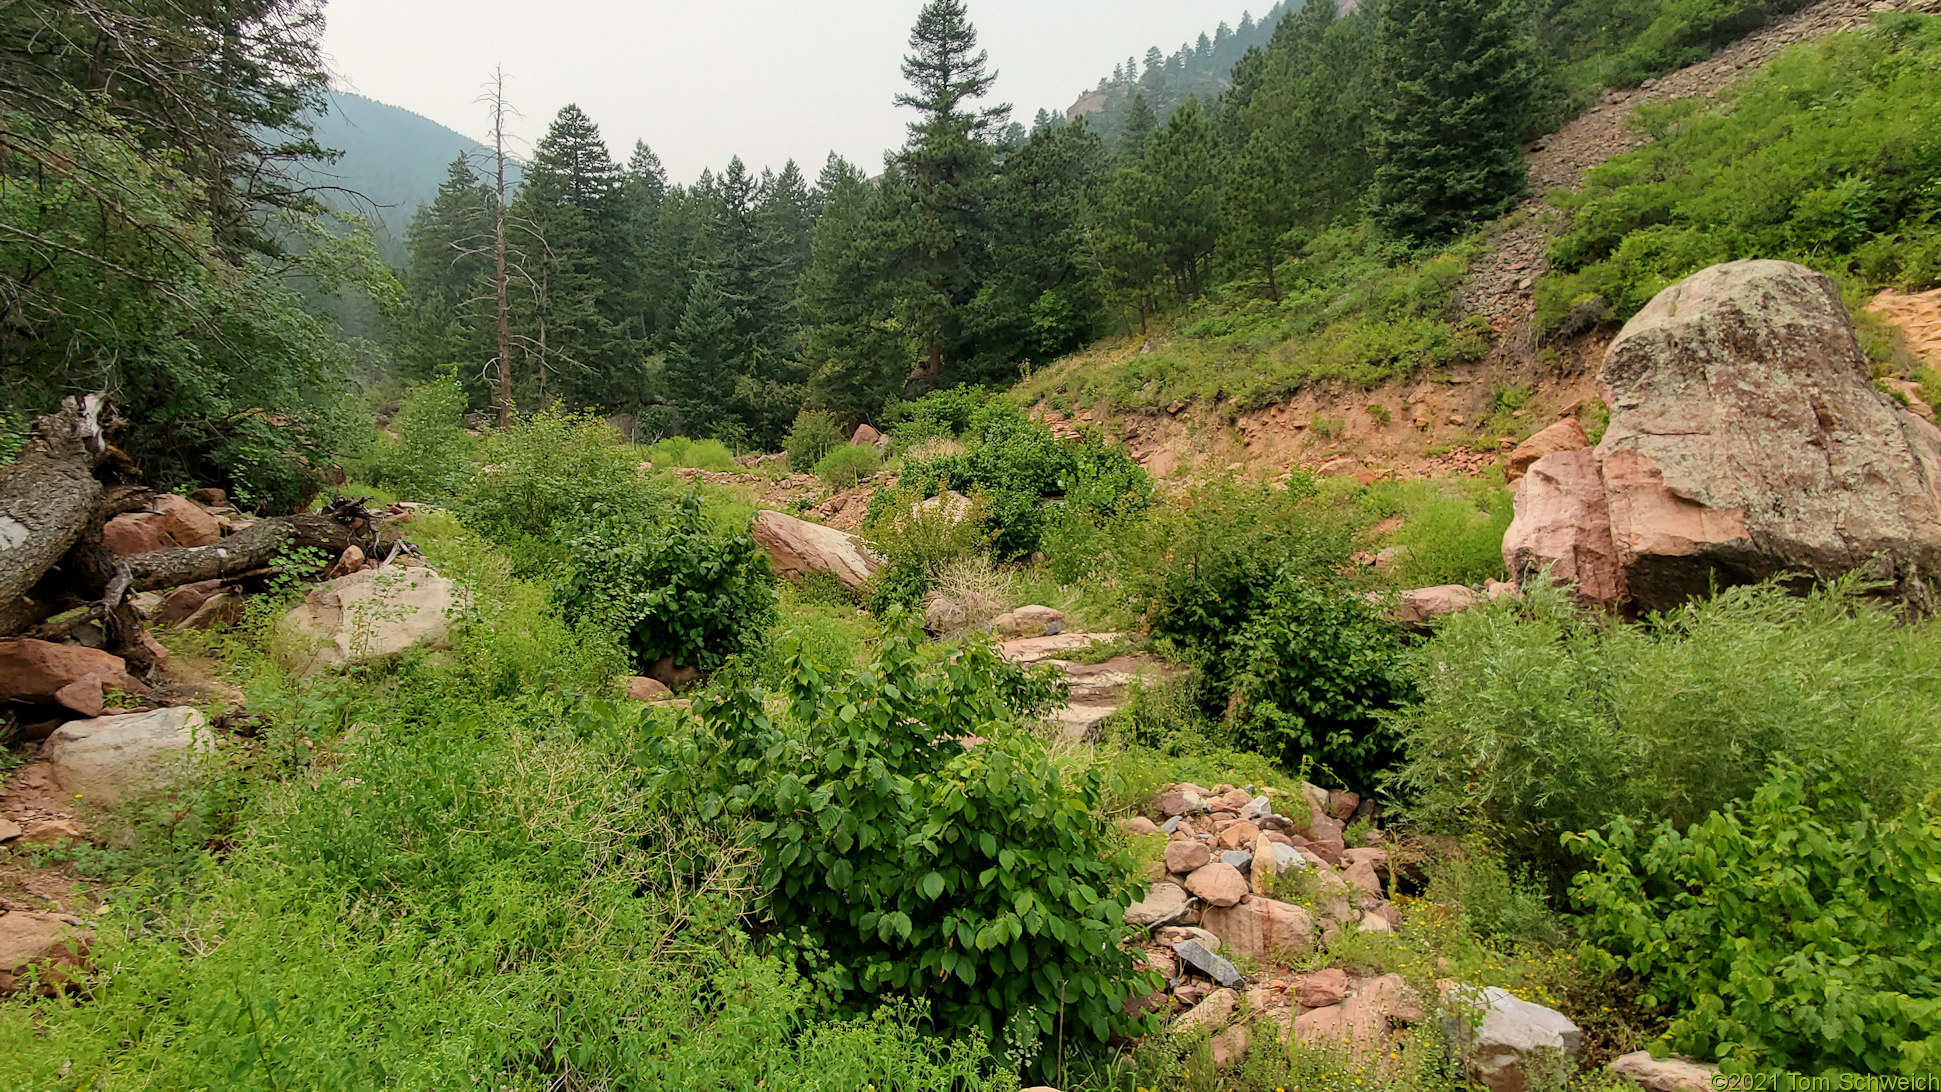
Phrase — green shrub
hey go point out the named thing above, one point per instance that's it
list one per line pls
(917, 541)
(548, 480)
(1447, 539)
(675, 586)
(844, 466)
(981, 879)
(939, 414)
(1200, 569)
(1797, 932)
(1538, 720)
(698, 454)
(1496, 900)
(1017, 463)
(1825, 156)
(814, 434)
(430, 460)
(1312, 671)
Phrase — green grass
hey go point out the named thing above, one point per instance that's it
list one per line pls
(1354, 311)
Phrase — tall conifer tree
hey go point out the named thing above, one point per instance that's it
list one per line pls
(1455, 80)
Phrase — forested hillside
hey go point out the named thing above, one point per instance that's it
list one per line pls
(1144, 92)
(389, 162)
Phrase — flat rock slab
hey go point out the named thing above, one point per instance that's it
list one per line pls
(1197, 956)
(1031, 650)
(47, 947)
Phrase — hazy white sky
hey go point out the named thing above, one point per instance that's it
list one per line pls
(702, 81)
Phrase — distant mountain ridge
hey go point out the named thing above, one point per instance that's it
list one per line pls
(392, 161)
(1202, 69)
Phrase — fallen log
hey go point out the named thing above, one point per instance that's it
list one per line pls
(338, 527)
(47, 501)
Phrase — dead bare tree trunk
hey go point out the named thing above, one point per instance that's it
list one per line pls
(499, 276)
(47, 500)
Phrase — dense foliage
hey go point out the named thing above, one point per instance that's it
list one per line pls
(1826, 156)
(979, 877)
(1312, 672)
(673, 586)
(1538, 720)
(1015, 464)
(151, 234)
(1798, 930)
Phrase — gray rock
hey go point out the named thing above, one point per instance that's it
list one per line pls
(1166, 902)
(1195, 955)
(1259, 808)
(1170, 825)
(1509, 1045)
(103, 759)
(1238, 858)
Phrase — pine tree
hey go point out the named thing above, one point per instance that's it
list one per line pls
(948, 163)
(1455, 79)
(859, 354)
(1187, 227)
(704, 360)
(447, 314)
(572, 317)
(1136, 133)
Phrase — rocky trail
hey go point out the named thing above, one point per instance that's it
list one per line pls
(1500, 283)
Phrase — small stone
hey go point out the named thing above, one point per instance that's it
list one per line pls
(1240, 859)
(1239, 835)
(1342, 804)
(1212, 1013)
(1258, 808)
(1372, 922)
(1196, 956)
(1321, 989)
(1187, 856)
(1166, 902)
(1230, 1046)
(1177, 803)
(1173, 934)
(1673, 1074)
(9, 830)
(1170, 825)
(1140, 825)
(1361, 876)
(1218, 883)
(83, 696)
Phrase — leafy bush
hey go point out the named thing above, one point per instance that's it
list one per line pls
(547, 481)
(699, 454)
(1538, 720)
(1797, 932)
(843, 467)
(1825, 156)
(938, 414)
(672, 587)
(430, 460)
(1312, 671)
(981, 879)
(918, 541)
(1447, 539)
(814, 434)
(1017, 463)
(1200, 569)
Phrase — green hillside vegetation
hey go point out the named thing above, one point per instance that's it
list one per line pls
(1827, 157)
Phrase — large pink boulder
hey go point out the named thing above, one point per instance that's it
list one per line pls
(797, 547)
(1747, 439)
(1563, 527)
(1218, 884)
